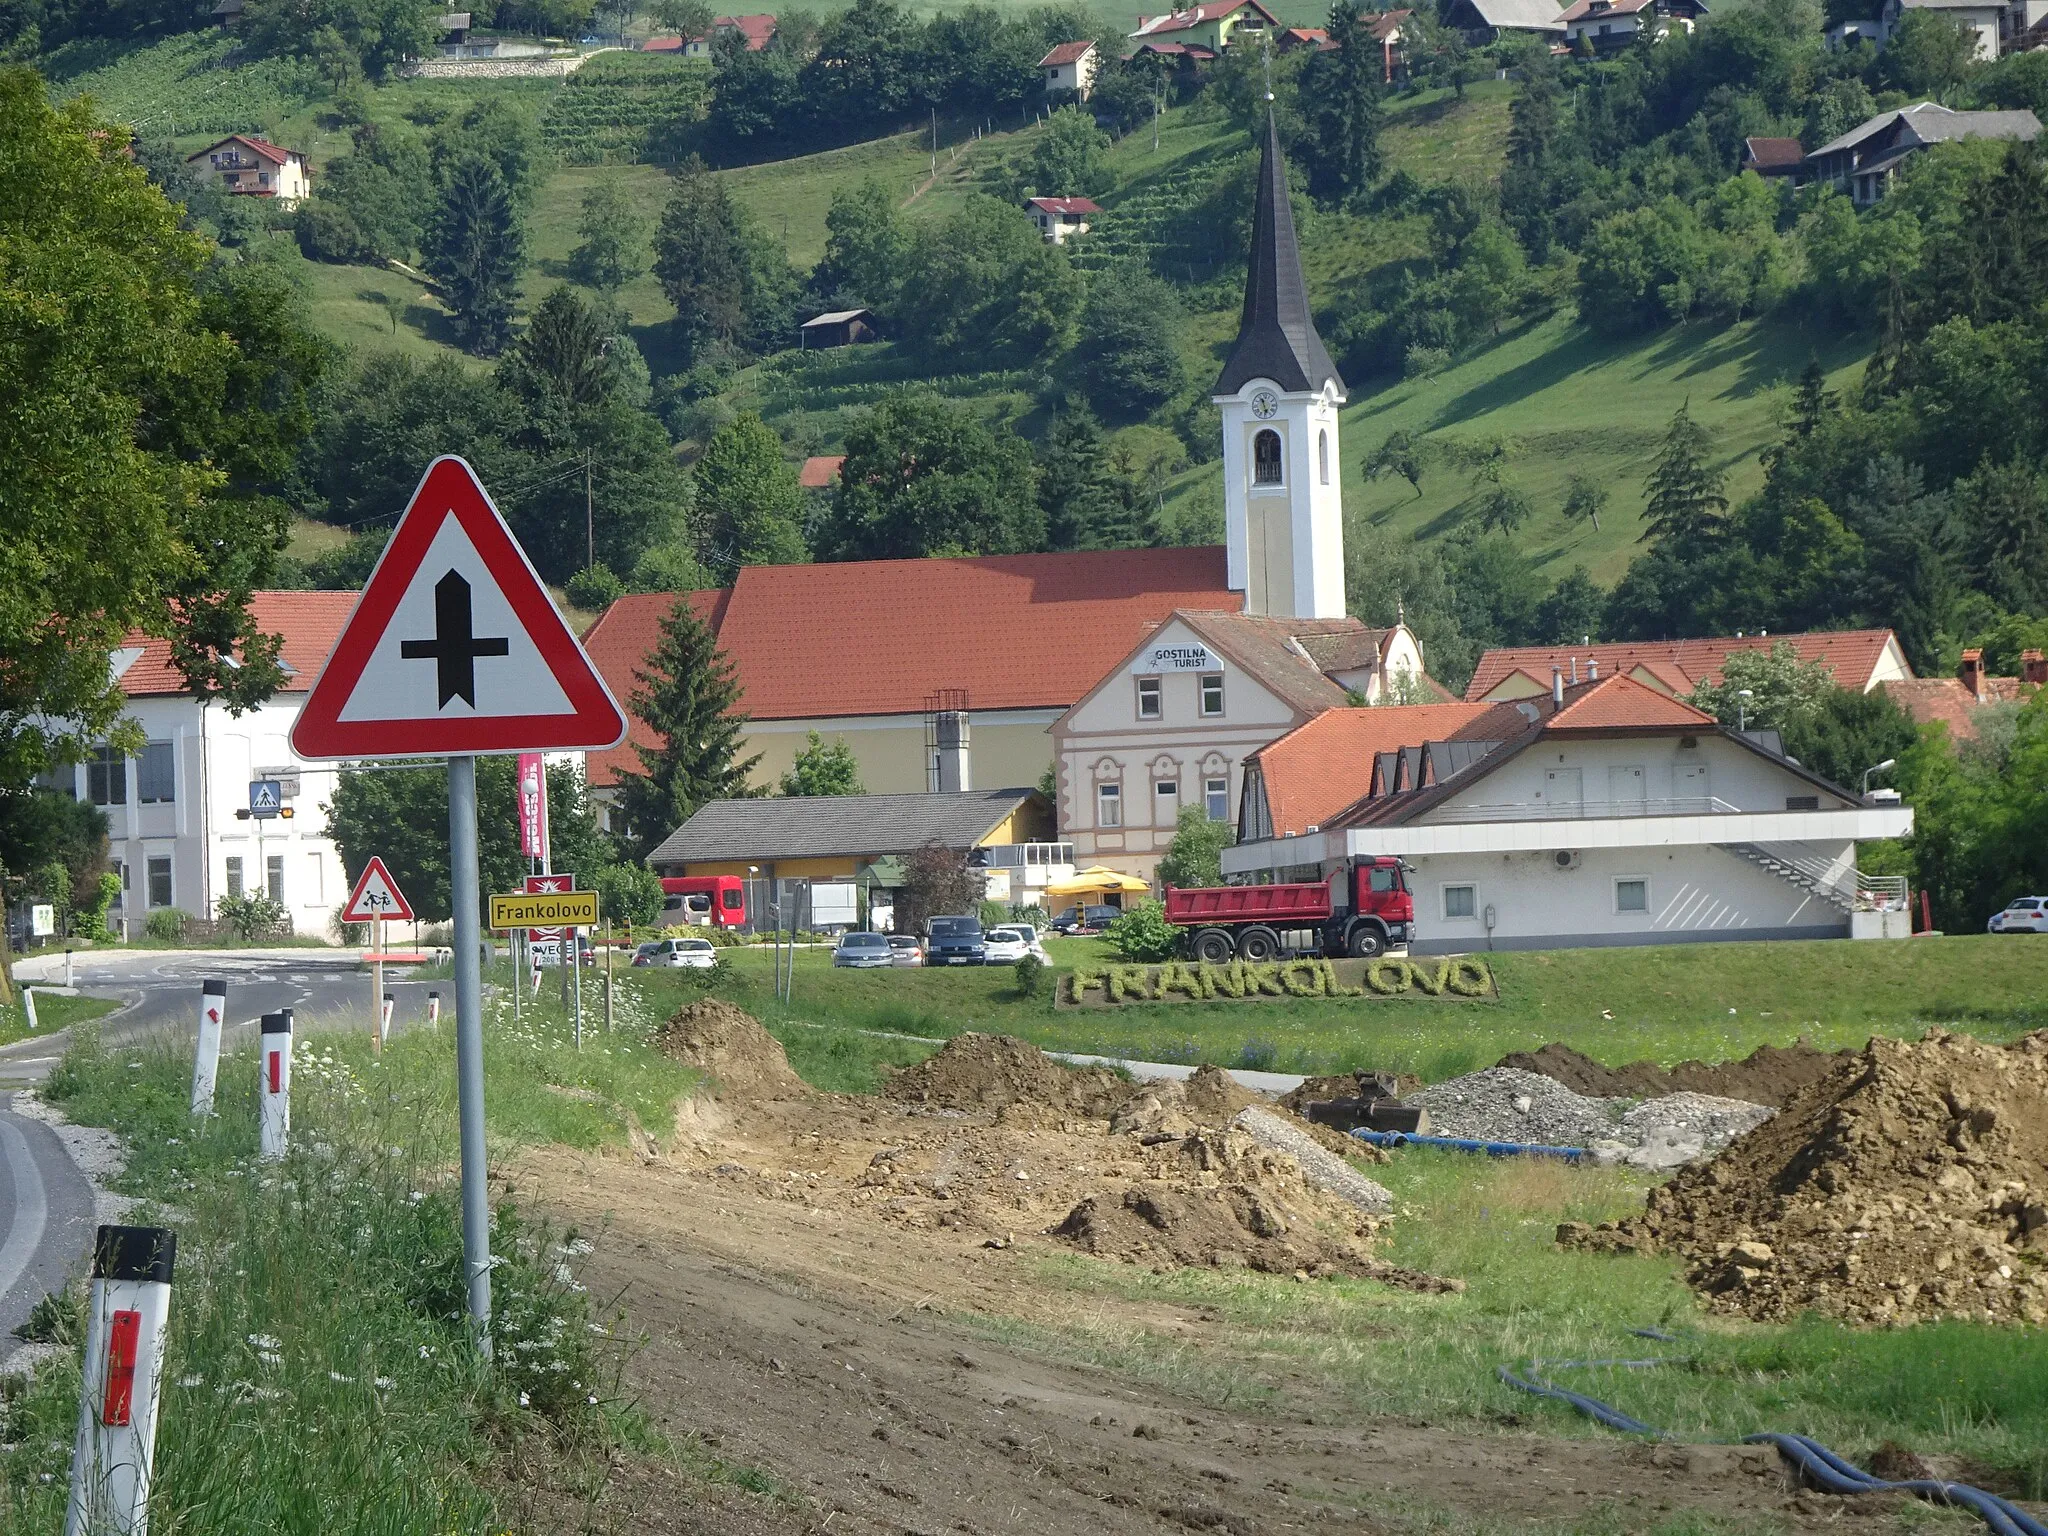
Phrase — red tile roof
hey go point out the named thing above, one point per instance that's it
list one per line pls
(263, 147)
(1949, 701)
(820, 471)
(1774, 153)
(1181, 21)
(619, 645)
(1620, 703)
(1852, 655)
(757, 30)
(876, 637)
(662, 45)
(1066, 53)
(1065, 204)
(1317, 769)
(308, 622)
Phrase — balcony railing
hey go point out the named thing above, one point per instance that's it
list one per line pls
(1023, 855)
(1592, 810)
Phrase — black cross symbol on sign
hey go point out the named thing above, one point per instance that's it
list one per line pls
(455, 647)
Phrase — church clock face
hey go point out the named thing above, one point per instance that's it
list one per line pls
(1264, 404)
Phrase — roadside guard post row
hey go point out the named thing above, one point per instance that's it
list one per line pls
(115, 1452)
(455, 649)
(274, 1087)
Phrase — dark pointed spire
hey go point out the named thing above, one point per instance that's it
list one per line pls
(1276, 339)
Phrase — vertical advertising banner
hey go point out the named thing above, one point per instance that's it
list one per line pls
(533, 805)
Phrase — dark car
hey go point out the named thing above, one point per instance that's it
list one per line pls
(955, 941)
(1085, 919)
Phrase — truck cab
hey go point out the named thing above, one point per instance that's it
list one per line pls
(1371, 907)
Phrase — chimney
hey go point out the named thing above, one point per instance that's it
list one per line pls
(1575, 670)
(1593, 669)
(946, 741)
(1556, 688)
(1972, 671)
(2033, 669)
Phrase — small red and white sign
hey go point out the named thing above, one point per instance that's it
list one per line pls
(376, 895)
(455, 646)
(548, 885)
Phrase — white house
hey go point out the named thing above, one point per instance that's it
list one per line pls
(1071, 67)
(251, 167)
(1984, 19)
(1060, 219)
(1602, 813)
(1606, 26)
(175, 838)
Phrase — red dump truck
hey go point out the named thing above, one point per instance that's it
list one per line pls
(1361, 914)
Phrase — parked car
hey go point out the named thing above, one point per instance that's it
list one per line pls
(863, 951)
(904, 949)
(1012, 942)
(2027, 914)
(956, 941)
(694, 954)
(1085, 919)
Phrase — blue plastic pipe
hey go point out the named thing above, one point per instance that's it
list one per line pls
(1467, 1144)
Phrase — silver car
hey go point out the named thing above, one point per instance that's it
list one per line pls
(863, 951)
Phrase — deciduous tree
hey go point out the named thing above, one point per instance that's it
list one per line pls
(823, 768)
(612, 236)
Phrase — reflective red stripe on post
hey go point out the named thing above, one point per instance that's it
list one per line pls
(277, 1071)
(123, 1338)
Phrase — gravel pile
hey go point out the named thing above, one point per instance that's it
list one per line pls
(1319, 1169)
(1509, 1104)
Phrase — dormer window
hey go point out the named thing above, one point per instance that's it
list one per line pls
(1266, 458)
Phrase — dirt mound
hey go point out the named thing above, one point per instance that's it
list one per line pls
(1767, 1075)
(1910, 1183)
(1213, 1097)
(730, 1047)
(999, 1072)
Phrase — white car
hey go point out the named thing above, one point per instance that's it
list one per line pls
(2027, 914)
(687, 954)
(1012, 942)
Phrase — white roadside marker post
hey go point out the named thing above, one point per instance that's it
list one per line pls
(111, 1460)
(213, 1007)
(274, 1063)
(28, 1008)
(433, 1010)
(390, 1003)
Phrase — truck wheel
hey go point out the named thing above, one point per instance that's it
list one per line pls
(1258, 944)
(1367, 941)
(1214, 945)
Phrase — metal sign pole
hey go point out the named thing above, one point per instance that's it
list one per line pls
(469, 1042)
(576, 960)
(377, 1022)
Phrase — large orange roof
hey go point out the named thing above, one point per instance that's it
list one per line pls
(877, 637)
(1620, 703)
(1853, 655)
(308, 622)
(619, 645)
(1317, 769)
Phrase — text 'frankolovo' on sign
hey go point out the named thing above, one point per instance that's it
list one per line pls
(554, 909)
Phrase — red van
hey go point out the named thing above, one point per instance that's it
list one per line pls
(703, 901)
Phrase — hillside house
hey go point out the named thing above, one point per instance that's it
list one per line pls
(1606, 26)
(820, 472)
(1863, 161)
(173, 834)
(1295, 39)
(1984, 18)
(251, 167)
(757, 31)
(841, 328)
(1860, 659)
(1488, 21)
(1601, 813)
(1774, 159)
(228, 13)
(1060, 219)
(1958, 702)
(1070, 69)
(1210, 27)
(454, 26)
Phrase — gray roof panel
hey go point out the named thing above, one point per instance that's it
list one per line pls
(835, 826)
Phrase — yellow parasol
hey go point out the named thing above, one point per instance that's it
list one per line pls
(1098, 881)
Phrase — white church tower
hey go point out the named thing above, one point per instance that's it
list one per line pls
(1279, 392)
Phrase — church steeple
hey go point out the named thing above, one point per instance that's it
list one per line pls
(1276, 339)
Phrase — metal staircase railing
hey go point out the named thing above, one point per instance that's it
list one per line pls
(1836, 881)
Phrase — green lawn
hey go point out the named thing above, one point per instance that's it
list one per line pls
(52, 1014)
(1713, 1002)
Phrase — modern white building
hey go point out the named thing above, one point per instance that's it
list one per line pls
(1603, 813)
(174, 837)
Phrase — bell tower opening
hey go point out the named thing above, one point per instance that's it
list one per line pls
(1266, 458)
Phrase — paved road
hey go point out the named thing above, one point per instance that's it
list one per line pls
(46, 1206)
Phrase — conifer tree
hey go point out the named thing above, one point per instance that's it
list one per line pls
(691, 699)
(477, 248)
(1686, 504)
(1088, 504)
(1342, 91)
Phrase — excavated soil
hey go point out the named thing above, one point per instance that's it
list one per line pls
(725, 1043)
(991, 1073)
(1911, 1183)
(1768, 1075)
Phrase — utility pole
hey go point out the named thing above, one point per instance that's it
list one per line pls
(935, 141)
(589, 517)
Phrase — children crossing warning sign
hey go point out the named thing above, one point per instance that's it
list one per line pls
(376, 895)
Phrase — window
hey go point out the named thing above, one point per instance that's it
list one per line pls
(1212, 693)
(732, 901)
(156, 774)
(1382, 881)
(1266, 458)
(1148, 698)
(160, 893)
(1460, 901)
(106, 777)
(1216, 798)
(1166, 802)
(1323, 456)
(1631, 895)
(273, 876)
(235, 875)
(319, 872)
(1109, 805)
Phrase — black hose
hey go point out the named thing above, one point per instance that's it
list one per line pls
(1816, 1464)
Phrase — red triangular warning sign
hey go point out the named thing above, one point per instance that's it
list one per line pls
(376, 895)
(454, 646)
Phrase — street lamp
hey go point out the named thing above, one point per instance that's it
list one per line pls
(1884, 767)
(1742, 698)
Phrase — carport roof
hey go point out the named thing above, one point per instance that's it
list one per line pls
(836, 826)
